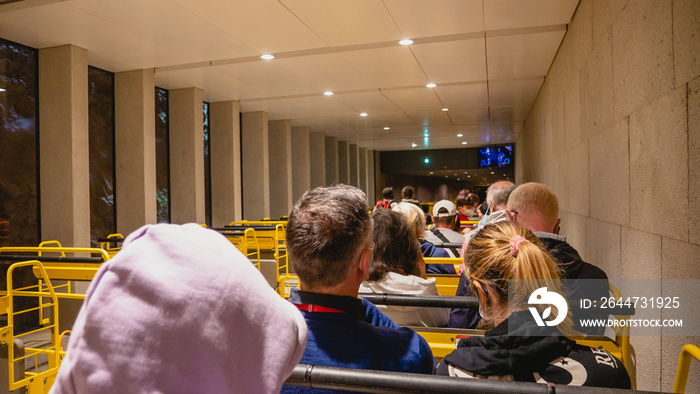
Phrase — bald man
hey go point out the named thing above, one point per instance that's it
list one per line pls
(535, 207)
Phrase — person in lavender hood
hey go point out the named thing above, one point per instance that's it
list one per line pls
(180, 310)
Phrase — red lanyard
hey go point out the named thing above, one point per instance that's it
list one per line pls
(317, 308)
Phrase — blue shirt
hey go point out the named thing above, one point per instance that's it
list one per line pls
(430, 250)
(358, 336)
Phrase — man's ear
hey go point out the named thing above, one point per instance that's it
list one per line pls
(556, 227)
(510, 216)
(363, 266)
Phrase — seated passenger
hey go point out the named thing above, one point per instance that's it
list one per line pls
(397, 267)
(444, 231)
(416, 220)
(388, 200)
(466, 208)
(407, 195)
(329, 245)
(518, 348)
(181, 310)
(536, 208)
(497, 199)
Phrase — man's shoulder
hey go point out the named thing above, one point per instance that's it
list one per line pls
(431, 237)
(452, 235)
(571, 261)
(378, 334)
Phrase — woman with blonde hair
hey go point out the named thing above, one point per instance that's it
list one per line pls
(416, 220)
(518, 288)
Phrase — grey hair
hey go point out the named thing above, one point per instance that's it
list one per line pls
(326, 228)
(498, 193)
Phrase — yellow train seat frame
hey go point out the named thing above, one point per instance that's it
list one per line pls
(688, 352)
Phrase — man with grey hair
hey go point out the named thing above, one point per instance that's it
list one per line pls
(497, 195)
(330, 244)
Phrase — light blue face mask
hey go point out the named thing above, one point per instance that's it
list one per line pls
(484, 218)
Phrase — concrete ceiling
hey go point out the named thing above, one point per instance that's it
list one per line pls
(487, 57)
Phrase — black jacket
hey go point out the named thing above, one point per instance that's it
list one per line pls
(579, 277)
(533, 354)
(583, 281)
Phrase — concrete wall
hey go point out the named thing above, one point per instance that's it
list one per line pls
(331, 161)
(343, 162)
(255, 168)
(317, 159)
(301, 172)
(615, 133)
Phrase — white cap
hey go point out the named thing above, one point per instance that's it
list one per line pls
(448, 205)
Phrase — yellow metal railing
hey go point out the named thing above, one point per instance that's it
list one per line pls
(57, 249)
(36, 380)
(107, 245)
(59, 270)
(684, 358)
(246, 241)
(455, 261)
(443, 340)
(446, 284)
(270, 238)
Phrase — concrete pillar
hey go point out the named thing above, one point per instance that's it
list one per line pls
(135, 145)
(301, 172)
(353, 167)
(317, 158)
(280, 146)
(225, 133)
(362, 168)
(343, 162)
(186, 156)
(331, 160)
(64, 169)
(371, 187)
(378, 177)
(256, 166)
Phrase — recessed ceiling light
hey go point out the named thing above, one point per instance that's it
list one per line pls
(458, 179)
(267, 56)
(492, 172)
(387, 128)
(406, 42)
(431, 173)
(445, 109)
(445, 176)
(430, 85)
(413, 145)
(464, 142)
(328, 93)
(469, 176)
(2, 90)
(460, 135)
(363, 114)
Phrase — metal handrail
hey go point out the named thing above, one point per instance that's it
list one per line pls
(373, 381)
